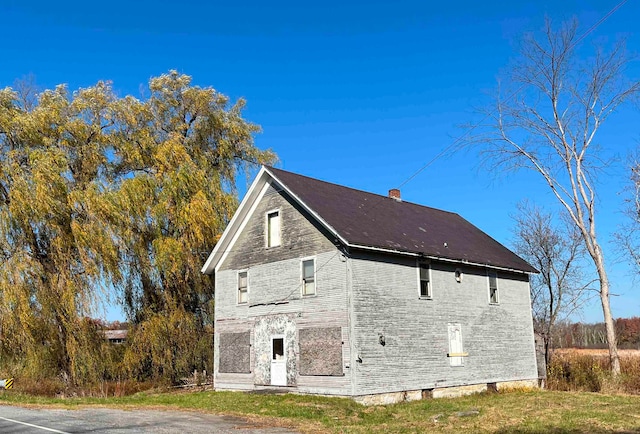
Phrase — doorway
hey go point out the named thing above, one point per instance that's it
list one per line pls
(278, 361)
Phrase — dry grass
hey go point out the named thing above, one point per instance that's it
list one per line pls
(598, 352)
(588, 370)
(56, 388)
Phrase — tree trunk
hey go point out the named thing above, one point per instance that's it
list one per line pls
(614, 359)
(611, 332)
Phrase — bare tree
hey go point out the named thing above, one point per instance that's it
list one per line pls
(557, 251)
(549, 125)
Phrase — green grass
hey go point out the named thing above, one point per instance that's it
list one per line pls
(513, 412)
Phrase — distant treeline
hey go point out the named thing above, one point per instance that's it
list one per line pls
(581, 335)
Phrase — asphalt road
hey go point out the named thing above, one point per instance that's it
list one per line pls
(104, 420)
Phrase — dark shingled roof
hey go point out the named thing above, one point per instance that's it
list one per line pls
(370, 220)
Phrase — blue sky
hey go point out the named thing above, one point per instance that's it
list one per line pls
(357, 93)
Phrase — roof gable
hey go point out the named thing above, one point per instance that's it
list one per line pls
(365, 220)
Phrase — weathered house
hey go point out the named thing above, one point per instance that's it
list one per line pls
(325, 289)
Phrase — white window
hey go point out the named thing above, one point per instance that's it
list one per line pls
(273, 228)
(493, 287)
(308, 277)
(242, 287)
(424, 271)
(456, 354)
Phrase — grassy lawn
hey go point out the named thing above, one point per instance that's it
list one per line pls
(512, 412)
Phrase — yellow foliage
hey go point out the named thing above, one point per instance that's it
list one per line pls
(98, 193)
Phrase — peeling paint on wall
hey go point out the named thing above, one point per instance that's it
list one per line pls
(265, 327)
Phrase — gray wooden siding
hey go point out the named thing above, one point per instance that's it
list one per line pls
(300, 236)
(275, 298)
(497, 338)
(367, 297)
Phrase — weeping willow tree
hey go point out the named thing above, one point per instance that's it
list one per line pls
(55, 250)
(183, 148)
(100, 193)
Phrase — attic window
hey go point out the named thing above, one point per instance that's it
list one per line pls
(273, 229)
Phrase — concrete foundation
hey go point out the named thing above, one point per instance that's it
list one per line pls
(443, 392)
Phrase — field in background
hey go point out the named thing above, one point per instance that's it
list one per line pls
(587, 370)
(595, 352)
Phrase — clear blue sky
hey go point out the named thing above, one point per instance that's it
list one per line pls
(357, 93)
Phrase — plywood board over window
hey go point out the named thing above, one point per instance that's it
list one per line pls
(321, 351)
(456, 353)
(235, 353)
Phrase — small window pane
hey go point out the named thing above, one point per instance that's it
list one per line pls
(424, 289)
(424, 272)
(278, 348)
(307, 267)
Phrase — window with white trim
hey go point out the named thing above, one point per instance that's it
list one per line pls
(424, 271)
(273, 228)
(243, 292)
(493, 287)
(308, 277)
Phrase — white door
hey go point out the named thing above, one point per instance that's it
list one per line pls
(278, 361)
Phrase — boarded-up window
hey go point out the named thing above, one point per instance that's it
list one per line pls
(235, 353)
(320, 351)
(455, 345)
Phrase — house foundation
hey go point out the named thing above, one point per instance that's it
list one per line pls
(444, 392)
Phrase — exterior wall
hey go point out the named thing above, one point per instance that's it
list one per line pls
(498, 339)
(367, 300)
(300, 237)
(276, 305)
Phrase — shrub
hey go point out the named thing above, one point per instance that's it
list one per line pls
(576, 372)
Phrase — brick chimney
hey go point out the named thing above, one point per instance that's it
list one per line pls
(394, 193)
